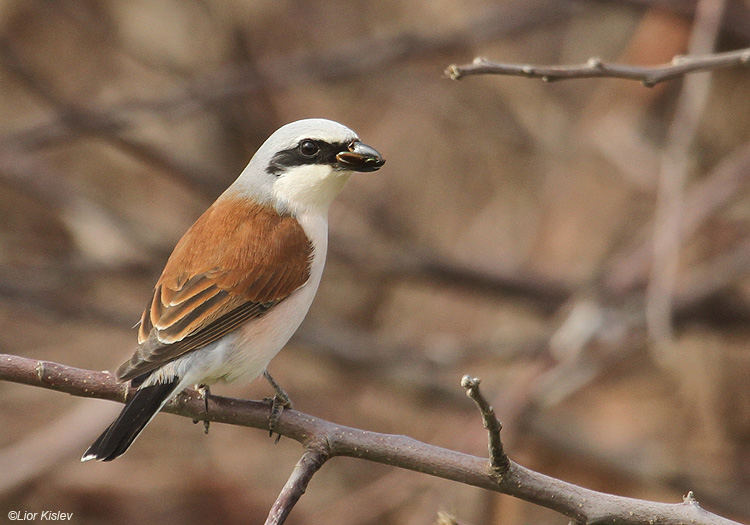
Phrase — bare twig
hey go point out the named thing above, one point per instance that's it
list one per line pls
(596, 68)
(310, 462)
(498, 458)
(576, 502)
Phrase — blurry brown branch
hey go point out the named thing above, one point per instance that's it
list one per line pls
(736, 21)
(323, 440)
(72, 120)
(673, 176)
(624, 278)
(342, 61)
(596, 68)
(704, 199)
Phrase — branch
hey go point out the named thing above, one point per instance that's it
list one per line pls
(673, 178)
(498, 459)
(596, 68)
(330, 440)
(310, 462)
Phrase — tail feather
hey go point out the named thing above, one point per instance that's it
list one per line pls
(138, 412)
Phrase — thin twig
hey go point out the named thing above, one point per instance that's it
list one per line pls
(597, 68)
(310, 462)
(498, 459)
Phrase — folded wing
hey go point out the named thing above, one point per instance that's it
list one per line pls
(236, 262)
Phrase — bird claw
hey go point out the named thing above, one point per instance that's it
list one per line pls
(278, 402)
(205, 392)
(277, 407)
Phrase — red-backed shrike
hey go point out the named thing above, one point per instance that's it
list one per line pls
(242, 278)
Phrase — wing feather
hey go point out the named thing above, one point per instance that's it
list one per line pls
(175, 313)
(190, 289)
(201, 315)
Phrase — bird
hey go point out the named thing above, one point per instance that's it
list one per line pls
(241, 279)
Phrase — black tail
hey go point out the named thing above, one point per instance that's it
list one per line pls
(134, 417)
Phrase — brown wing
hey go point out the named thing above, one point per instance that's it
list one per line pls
(212, 283)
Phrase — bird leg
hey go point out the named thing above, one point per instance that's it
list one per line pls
(205, 392)
(279, 402)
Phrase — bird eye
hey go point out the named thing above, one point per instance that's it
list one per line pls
(308, 148)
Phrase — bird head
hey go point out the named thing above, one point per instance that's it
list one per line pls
(305, 164)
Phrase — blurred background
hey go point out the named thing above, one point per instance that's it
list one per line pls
(582, 246)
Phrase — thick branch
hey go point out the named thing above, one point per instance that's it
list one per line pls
(596, 68)
(575, 502)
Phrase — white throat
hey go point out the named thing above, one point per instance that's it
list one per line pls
(310, 188)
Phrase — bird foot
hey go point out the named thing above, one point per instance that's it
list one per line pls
(205, 392)
(278, 402)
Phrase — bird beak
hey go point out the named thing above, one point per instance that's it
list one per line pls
(360, 157)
